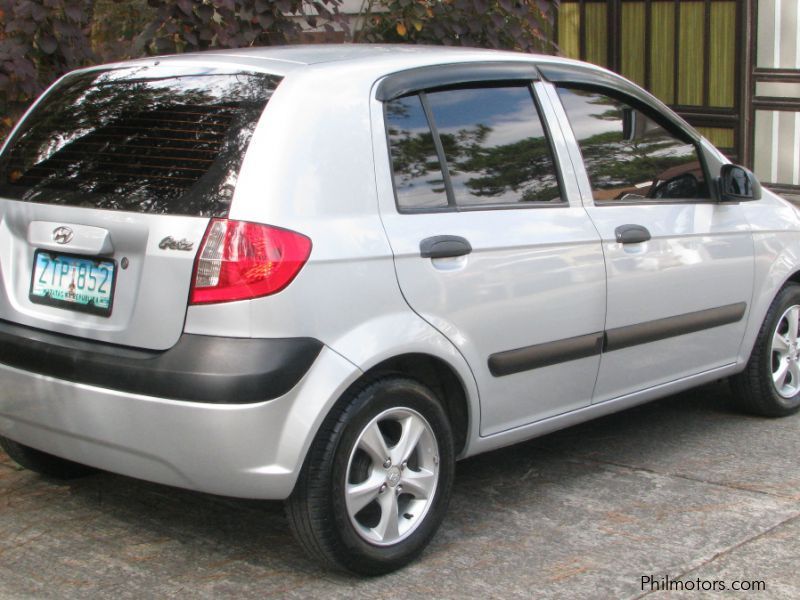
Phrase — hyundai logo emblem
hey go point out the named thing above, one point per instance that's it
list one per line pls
(62, 235)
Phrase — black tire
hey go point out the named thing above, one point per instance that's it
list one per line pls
(753, 388)
(43, 463)
(317, 510)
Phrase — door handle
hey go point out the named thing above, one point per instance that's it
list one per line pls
(632, 234)
(444, 246)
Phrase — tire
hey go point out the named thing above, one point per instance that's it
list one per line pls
(763, 388)
(386, 526)
(43, 463)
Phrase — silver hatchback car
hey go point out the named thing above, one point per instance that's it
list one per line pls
(324, 274)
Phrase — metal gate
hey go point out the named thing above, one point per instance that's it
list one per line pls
(686, 52)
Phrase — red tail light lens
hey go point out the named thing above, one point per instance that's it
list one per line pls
(239, 260)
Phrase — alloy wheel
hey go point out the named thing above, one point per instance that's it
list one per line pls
(786, 353)
(392, 476)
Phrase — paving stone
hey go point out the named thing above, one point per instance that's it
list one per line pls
(684, 486)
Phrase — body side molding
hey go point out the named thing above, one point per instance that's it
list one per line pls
(660, 329)
(543, 355)
(509, 362)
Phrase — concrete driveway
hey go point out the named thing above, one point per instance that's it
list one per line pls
(685, 487)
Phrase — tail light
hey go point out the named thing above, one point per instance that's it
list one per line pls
(239, 260)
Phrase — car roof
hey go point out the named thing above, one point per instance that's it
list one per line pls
(378, 59)
(313, 54)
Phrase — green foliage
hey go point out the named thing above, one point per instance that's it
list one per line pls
(524, 25)
(40, 40)
(116, 24)
(184, 25)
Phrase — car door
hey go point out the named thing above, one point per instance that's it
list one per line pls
(492, 247)
(679, 263)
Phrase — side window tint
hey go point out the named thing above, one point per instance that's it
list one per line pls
(628, 156)
(495, 146)
(417, 173)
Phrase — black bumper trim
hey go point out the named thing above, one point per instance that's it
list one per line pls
(199, 368)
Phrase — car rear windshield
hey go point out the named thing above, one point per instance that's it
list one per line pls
(136, 141)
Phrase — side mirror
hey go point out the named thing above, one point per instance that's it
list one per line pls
(737, 184)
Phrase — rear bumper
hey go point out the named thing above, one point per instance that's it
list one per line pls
(198, 368)
(252, 450)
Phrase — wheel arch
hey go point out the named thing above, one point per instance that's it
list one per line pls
(784, 269)
(435, 373)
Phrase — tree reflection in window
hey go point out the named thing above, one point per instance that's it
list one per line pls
(125, 140)
(417, 172)
(627, 155)
(495, 146)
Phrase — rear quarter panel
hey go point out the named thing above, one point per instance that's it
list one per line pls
(310, 168)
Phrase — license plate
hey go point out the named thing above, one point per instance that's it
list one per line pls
(73, 282)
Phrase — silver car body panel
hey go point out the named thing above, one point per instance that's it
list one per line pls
(535, 275)
(700, 258)
(150, 294)
(248, 451)
(318, 164)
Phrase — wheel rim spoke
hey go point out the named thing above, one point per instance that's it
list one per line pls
(780, 344)
(389, 526)
(794, 371)
(779, 376)
(413, 428)
(358, 495)
(419, 484)
(793, 319)
(372, 443)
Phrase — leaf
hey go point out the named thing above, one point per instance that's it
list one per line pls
(23, 9)
(185, 6)
(38, 13)
(164, 45)
(417, 25)
(265, 20)
(190, 36)
(401, 29)
(47, 44)
(74, 12)
(205, 12)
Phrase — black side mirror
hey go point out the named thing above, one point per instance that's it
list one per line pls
(737, 184)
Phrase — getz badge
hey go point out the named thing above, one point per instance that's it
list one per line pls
(170, 243)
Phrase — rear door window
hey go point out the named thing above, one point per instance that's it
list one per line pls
(122, 140)
(495, 146)
(418, 175)
(471, 147)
